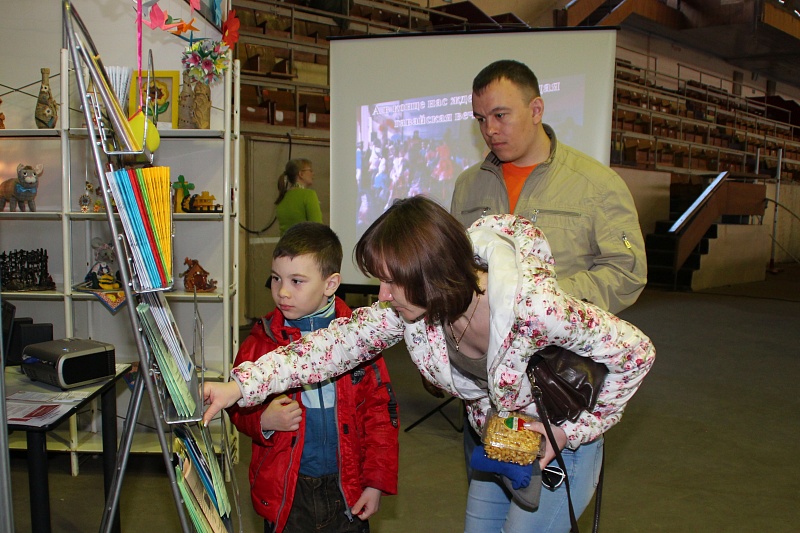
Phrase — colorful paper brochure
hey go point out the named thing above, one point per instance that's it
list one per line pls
(204, 466)
(142, 197)
(170, 333)
(177, 386)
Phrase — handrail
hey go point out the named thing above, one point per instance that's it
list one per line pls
(703, 198)
(721, 197)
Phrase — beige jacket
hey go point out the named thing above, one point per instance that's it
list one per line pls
(585, 210)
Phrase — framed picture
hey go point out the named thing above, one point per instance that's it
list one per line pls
(164, 89)
(211, 11)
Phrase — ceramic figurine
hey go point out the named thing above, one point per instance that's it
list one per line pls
(46, 106)
(22, 189)
(196, 278)
(2, 118)
(203, 203)
(202, 106)
(185, 104)
(182, 196)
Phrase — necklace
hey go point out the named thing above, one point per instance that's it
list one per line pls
(469, 321)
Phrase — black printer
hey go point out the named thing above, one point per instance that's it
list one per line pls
(68, 363)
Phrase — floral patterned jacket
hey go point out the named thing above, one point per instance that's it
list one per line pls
(528, 311)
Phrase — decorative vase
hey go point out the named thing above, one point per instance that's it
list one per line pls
(201, 110)
(186, 105)
(46, 112)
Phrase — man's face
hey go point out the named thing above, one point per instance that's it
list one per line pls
(298, 287)
(509, 122)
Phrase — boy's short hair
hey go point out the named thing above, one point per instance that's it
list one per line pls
(312, 238)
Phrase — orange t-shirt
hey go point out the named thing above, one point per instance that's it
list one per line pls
(515, 177)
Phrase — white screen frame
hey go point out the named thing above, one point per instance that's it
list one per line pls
(374, 69)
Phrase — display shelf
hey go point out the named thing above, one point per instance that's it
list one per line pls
(78, 215)
(60, 227)
(30, 133)
(28, 215)
(34, 295)
(213, 216)
(88, 441)
(58, 440)
(162, 133)
(179, 295)
(191, 134)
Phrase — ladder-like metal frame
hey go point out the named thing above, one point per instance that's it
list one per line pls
(83, 52)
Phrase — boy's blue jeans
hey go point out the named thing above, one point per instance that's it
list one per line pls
(319, 506)
(490, 509)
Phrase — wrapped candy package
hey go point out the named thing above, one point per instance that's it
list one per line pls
(506, 439)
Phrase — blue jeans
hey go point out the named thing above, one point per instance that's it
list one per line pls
(319, 506)
(490, 509)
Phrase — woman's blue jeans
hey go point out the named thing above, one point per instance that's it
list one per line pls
(490, 509)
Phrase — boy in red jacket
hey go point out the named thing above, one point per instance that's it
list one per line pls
(322, 455)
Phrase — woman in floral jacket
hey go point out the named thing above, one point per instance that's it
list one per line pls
(472, 309)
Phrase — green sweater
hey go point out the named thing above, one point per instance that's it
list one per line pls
(299, 205)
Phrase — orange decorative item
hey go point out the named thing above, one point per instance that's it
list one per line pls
(196, 277)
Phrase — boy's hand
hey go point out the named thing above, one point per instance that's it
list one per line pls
(218, 396)
(282, 414)
(368, 504)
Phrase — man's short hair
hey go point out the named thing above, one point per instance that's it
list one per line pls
(514, 71)
(312, 238)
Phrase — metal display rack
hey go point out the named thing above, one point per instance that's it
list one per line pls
(113, 148)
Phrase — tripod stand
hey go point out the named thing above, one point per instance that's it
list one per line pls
(439, 410)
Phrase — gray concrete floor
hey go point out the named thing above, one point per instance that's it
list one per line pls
(710, 442)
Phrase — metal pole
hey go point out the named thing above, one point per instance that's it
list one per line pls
(772, 268)
(6, 501)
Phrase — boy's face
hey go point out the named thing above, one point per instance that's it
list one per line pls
(298, 287)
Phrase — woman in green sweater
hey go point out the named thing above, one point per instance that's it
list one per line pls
(296, 201)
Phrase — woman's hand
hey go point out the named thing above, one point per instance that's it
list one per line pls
(549, 451)
(218, 396)
(282, 414)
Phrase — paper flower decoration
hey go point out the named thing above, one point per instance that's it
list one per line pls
(230, 29)
(205, 61)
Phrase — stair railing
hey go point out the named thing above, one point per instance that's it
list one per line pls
(722, 196)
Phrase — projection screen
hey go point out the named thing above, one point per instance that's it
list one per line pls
(401, 112)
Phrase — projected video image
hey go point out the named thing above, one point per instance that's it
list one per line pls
(415, 146)
(421, 145)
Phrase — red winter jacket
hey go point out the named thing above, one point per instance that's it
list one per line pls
(367, 416)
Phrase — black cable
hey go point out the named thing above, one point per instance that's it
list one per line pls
(259, 232)
(275, 218)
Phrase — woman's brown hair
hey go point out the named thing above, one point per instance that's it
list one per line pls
(420, 247)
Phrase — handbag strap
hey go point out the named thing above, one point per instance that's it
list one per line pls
(537, 397)
(598, 493)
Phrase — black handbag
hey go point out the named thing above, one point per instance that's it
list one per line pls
(569, 383)
(565, 384)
